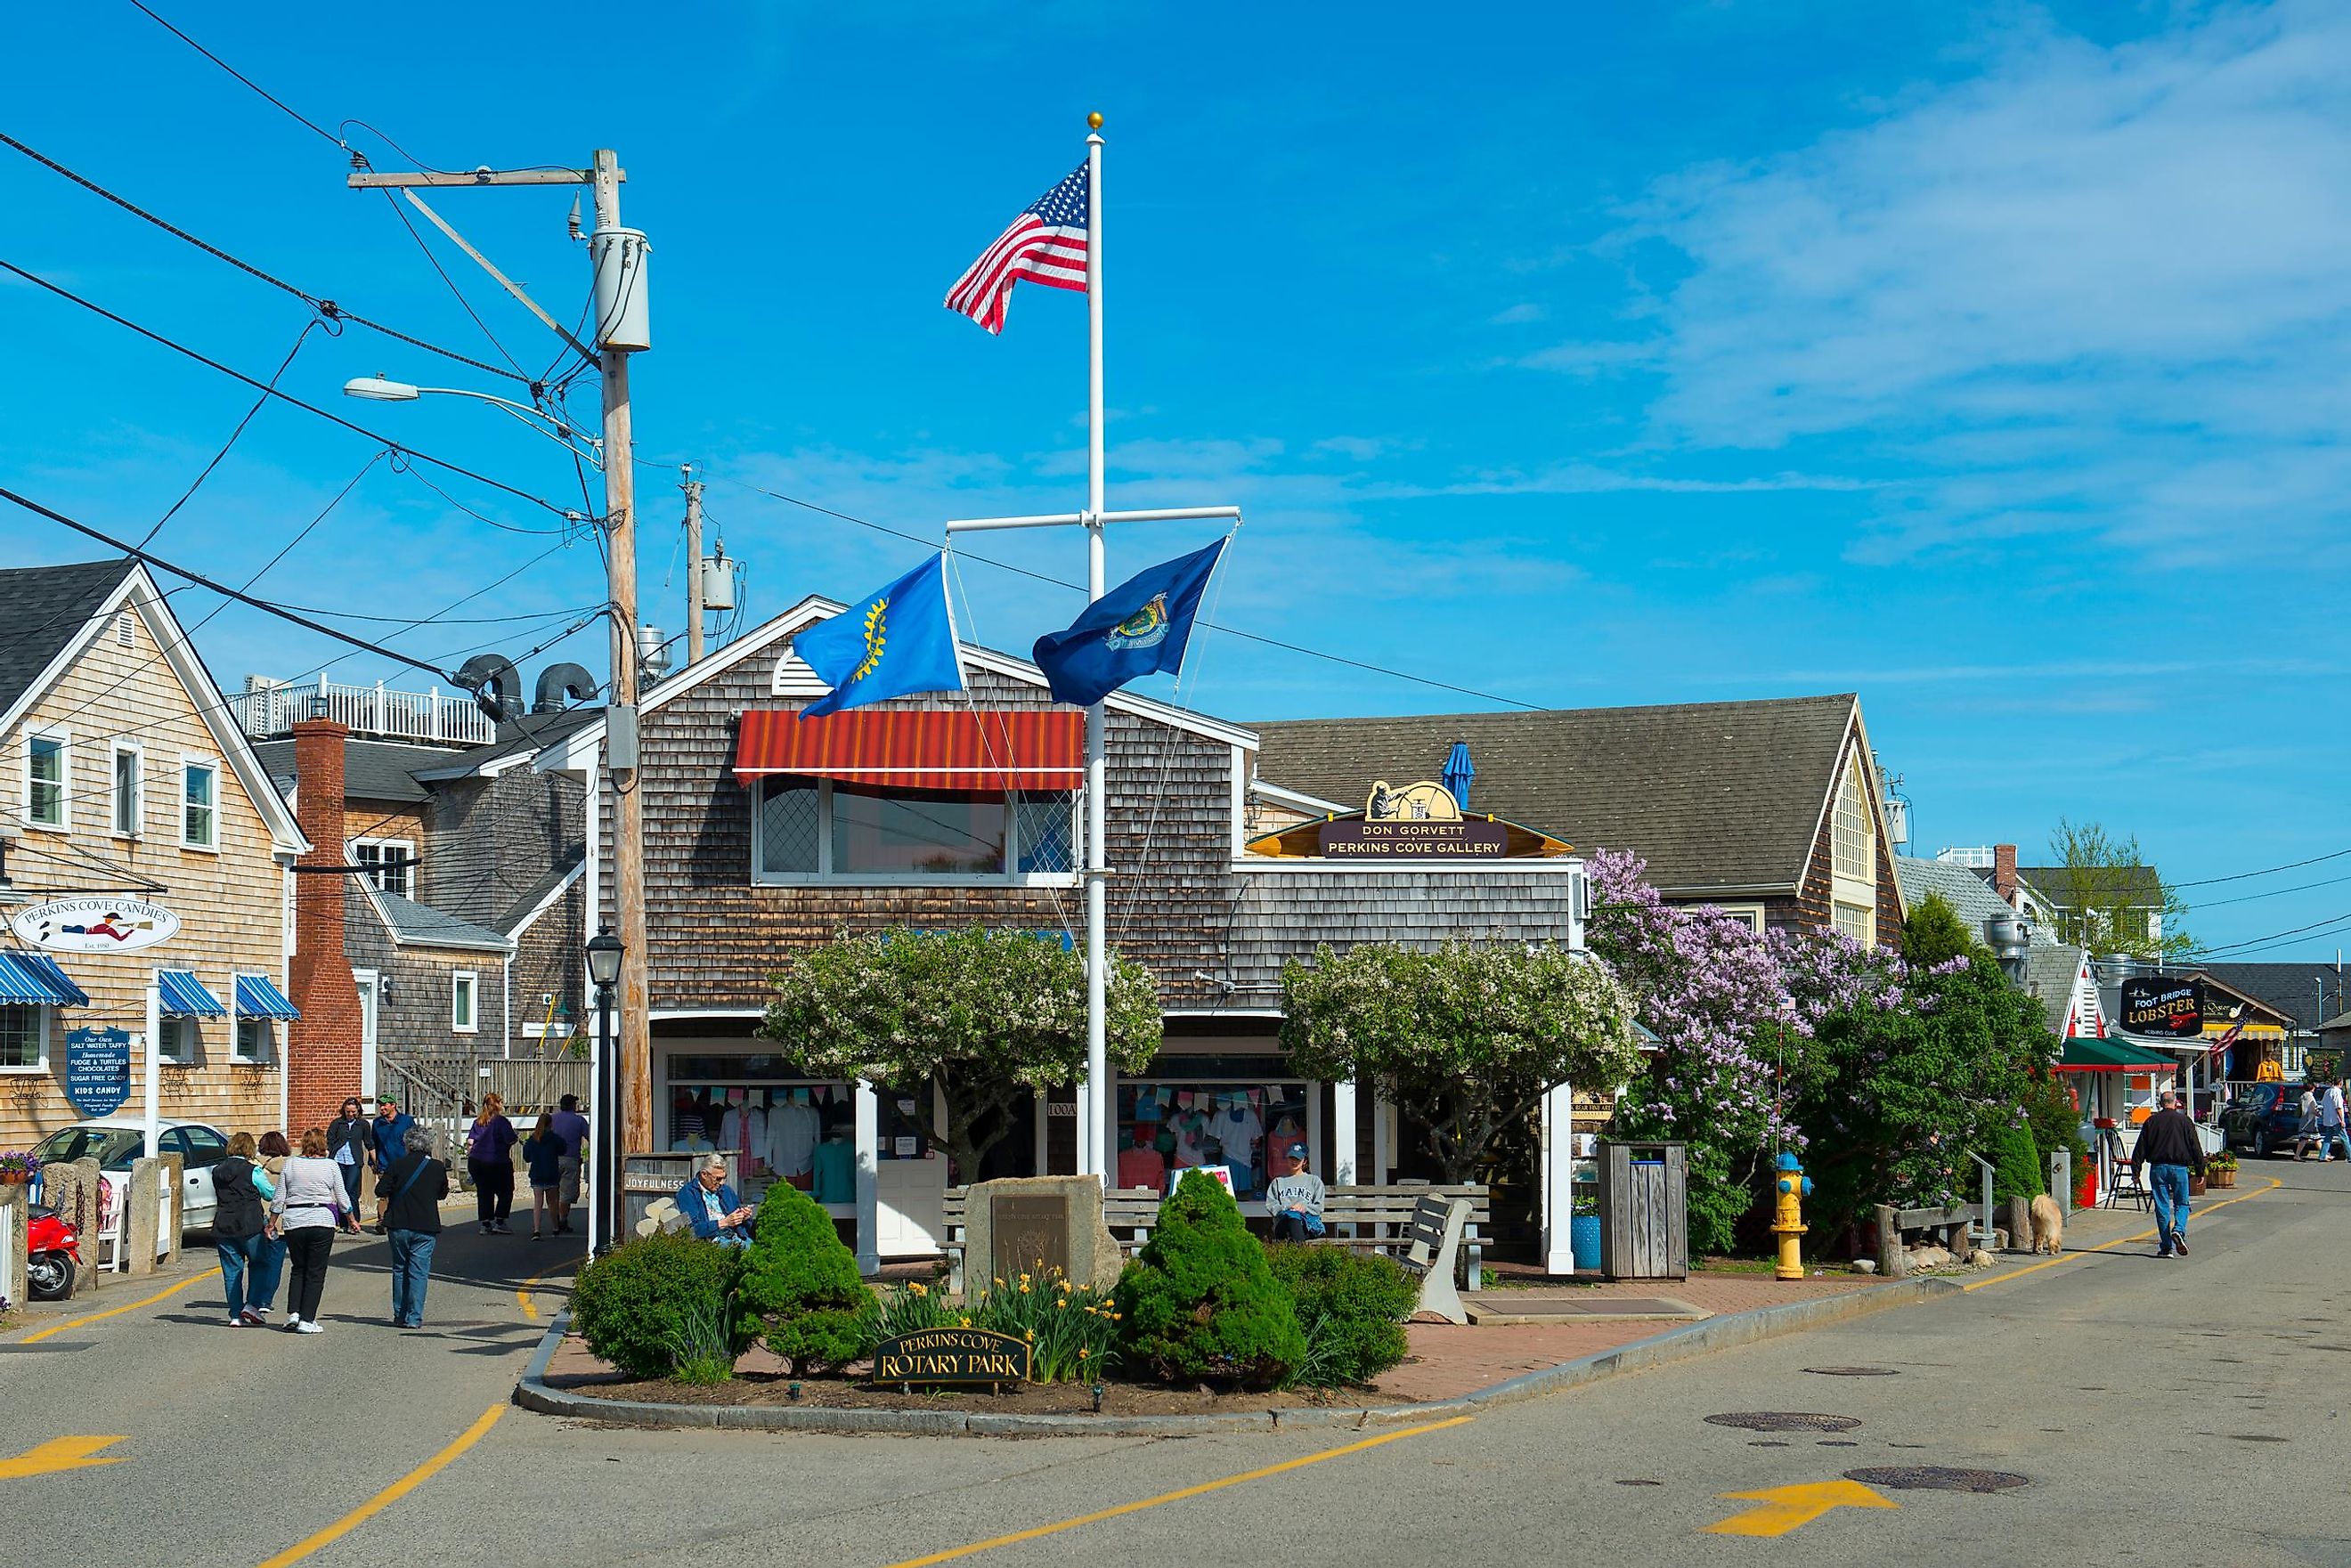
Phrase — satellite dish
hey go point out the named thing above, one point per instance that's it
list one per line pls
(496, 686)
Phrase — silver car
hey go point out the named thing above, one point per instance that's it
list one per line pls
(116, 1141)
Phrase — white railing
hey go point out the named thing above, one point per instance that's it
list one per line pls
(268, 707)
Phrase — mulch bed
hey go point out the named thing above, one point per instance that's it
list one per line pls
(1022, 1399)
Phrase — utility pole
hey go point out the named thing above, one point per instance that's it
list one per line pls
(619, 258)
(693, 564)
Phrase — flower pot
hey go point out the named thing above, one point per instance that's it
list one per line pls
(1583, 1237)
(14, 1178)
(2220, 1178)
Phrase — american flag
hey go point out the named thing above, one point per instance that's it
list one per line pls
(1046, 243)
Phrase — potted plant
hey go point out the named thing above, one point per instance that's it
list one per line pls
(2220, 1170)
(17, 1166)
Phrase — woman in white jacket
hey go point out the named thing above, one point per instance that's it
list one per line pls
(311, 1205)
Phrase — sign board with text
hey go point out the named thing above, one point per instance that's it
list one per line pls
(106, 923)
(98, 1069)
(952, 1356)
(2168, 1005)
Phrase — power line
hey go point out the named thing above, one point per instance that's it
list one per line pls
(220, 456)
(2273, 892)
(324, 307)
(297, 116)
(2203, 953)
(464, 304)
(179, 348)
(2268, 870)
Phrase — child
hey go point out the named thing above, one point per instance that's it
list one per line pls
(543, 1152)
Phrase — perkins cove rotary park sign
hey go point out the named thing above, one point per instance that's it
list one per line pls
(105, 923)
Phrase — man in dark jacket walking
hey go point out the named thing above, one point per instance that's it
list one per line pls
(2169, 1143)
(411, 1189)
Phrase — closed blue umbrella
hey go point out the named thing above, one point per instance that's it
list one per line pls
(1458, 772)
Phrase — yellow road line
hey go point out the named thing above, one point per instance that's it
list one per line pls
(35, 1337)
(2118, 1241)
(391, 1494)
(1204, 1487)
(522, 1291)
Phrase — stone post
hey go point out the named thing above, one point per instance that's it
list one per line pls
(13, 1219)
(1893, 1262)
(2061, 1180)
(174, 1216)
(142, 1197)
(72, 1191)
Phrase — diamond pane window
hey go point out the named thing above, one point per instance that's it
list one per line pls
(1044, 829)
(788, 825)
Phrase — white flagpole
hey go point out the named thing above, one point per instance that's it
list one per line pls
(1098, 1097)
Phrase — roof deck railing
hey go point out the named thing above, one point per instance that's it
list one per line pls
(268, 708)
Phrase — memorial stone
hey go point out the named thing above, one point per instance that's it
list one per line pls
(1014, 1224)
(72, 1191)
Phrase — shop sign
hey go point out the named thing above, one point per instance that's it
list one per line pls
(98, 1069)
(952, 1356)
(101, 924)
(1414, 840)
(2164, 1004)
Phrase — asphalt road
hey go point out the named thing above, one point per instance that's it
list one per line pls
(2181, 1411)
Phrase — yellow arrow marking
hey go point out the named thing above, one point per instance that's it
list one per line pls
(1788, 1508)
(59, 1454)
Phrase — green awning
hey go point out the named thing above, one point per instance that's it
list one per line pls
(2087, 1055)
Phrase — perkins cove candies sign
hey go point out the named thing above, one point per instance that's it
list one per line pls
(97, 924)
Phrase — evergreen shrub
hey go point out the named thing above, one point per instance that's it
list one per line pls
(799, 1287)
(1352, 1307)
(655, 1303)
(1200, 1304)
(2017, 1170)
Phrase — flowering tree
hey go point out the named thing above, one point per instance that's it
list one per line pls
(1471, 1038)
(990, 1018)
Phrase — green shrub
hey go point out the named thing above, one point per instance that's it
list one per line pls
(1352, 1307)
(800, 1286)
(1200, 1304)
(2016, 1165)
(1071, 1329)
(656, 1301)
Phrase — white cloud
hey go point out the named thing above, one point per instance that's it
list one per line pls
(2094, 289)
(1519, 314)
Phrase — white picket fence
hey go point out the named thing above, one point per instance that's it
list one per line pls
(268, 707)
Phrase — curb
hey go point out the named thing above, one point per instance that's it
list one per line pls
(1675, 1344)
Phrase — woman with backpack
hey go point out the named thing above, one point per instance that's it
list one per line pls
(239, 1221)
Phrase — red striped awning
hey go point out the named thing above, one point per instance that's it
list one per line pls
(1027, 748)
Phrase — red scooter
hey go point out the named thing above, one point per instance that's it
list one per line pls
(52, 1252)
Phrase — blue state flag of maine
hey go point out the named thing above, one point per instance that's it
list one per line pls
(887, 644)
(1139, 626)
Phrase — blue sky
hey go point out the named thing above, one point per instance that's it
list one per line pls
(1984, 359)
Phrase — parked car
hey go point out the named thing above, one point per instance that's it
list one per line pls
(2264, 1118)
(116, 1141)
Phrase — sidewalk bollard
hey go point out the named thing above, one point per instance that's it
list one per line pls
(1788, 1221)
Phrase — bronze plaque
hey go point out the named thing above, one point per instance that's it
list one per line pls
(1031, 1234)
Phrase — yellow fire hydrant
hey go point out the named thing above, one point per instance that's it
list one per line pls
(1788, 1218)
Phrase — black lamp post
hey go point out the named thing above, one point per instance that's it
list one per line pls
(604, 972)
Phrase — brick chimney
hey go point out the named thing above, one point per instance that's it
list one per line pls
(322, 1051)
(2004, 873)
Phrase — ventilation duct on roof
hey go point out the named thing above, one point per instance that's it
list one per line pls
(560, 687)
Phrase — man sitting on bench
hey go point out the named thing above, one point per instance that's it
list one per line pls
(1295, 1198)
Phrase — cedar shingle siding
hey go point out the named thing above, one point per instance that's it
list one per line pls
(412, 987)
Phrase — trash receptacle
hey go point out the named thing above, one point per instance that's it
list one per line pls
(1643, 1211)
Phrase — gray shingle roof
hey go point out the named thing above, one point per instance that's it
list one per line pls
(537, 892)
(2049, 971)
(422, 925)
(531, 732)
(42, 607)
(2056, 883)
(372, 770)
(1714, 795)
(2301, 991)
(1969, 898)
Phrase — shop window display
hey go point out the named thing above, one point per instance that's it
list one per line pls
(1167, 1128)
(804, 1133)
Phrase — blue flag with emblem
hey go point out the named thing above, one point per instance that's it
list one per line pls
(888, 644)
(1139, 626)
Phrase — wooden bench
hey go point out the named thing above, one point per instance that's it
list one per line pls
(1380, 1219)
(1948, 1226)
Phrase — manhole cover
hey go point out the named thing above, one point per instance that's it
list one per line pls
(1934, 1477)
(1785, 1421)
(1852, 1371)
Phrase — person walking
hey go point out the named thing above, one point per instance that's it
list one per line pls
(238, 1222)
(489, 1161)
(272, 1151)
(2307, 1133)
(542, 1152)
(311, 1207)
(411, 1190)
(389, 1135)
(2169, 1143)
(351, 1147)
(572, 1128)
(2327, 1102)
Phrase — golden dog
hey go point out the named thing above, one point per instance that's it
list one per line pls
(2048, 1225)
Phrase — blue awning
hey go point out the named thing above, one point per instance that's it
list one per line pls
(184, 996)
(257, 997)
(35, 979)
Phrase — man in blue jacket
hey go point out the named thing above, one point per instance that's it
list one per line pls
(711, 1205)
(390, 1132)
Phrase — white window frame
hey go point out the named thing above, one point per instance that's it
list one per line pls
(1748, 915)
(179, 1040)
(1868, 913)
(138, 754)
(188, 761)
(266, 1028)
(40, 1012)
(824, 876)
(388, 849)
(64, 739)
(466, 983)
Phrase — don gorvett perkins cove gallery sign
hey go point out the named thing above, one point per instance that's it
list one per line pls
(1413, 823)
